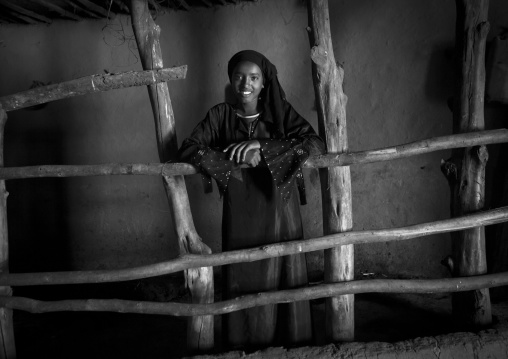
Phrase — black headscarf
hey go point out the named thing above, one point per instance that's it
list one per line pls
(272, 95)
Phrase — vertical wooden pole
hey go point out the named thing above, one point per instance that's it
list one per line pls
(335, 181)
(200, 334)
(7, 345)
(467, 180)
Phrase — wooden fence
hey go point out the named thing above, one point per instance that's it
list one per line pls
(187, 261)
(339, 239)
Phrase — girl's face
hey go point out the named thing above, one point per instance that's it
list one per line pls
(247, 82)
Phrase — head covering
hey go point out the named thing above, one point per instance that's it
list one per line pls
(272, 95)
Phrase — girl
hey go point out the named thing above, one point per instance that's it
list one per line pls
(262, 132)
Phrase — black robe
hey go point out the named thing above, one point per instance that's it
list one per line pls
(260, 207)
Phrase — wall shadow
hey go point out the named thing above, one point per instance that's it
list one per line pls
(36, 208)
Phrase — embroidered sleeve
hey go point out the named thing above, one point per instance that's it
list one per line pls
(213, 164)
(202, 150)
(284, 159)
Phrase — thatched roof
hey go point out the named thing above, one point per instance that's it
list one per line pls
(46, 11)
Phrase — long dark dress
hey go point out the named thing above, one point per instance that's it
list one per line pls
(260, 207)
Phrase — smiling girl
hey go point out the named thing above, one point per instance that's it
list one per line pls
(262, 132)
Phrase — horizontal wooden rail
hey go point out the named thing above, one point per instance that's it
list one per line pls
(469, 139)
(328, 160)
(254, 254)
(151, 169)
(90, 84)
(446, 285)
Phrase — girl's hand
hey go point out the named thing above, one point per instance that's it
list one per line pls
(253, 158)
(238, 151)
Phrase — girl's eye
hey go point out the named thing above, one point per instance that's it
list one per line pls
(254, 78)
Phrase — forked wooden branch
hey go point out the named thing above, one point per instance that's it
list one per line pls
(336, 181)
(472, 310)
(200, 332)
(446, 285)
(90, 84)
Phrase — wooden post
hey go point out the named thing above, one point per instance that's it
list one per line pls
(199, 280)
(336, 181)
(7, 345)
(466, 169)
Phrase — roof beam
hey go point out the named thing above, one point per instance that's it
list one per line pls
(52, 6)
(84, 10)
(96, 8)
(22, 18)
(24, 12)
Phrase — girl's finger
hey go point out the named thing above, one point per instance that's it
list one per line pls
(239, 152)
(227, 148)
(233, 150)
(243, 153)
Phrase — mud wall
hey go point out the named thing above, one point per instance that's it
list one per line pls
(397, 57)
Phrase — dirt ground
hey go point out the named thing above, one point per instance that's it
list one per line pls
(378, 317)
